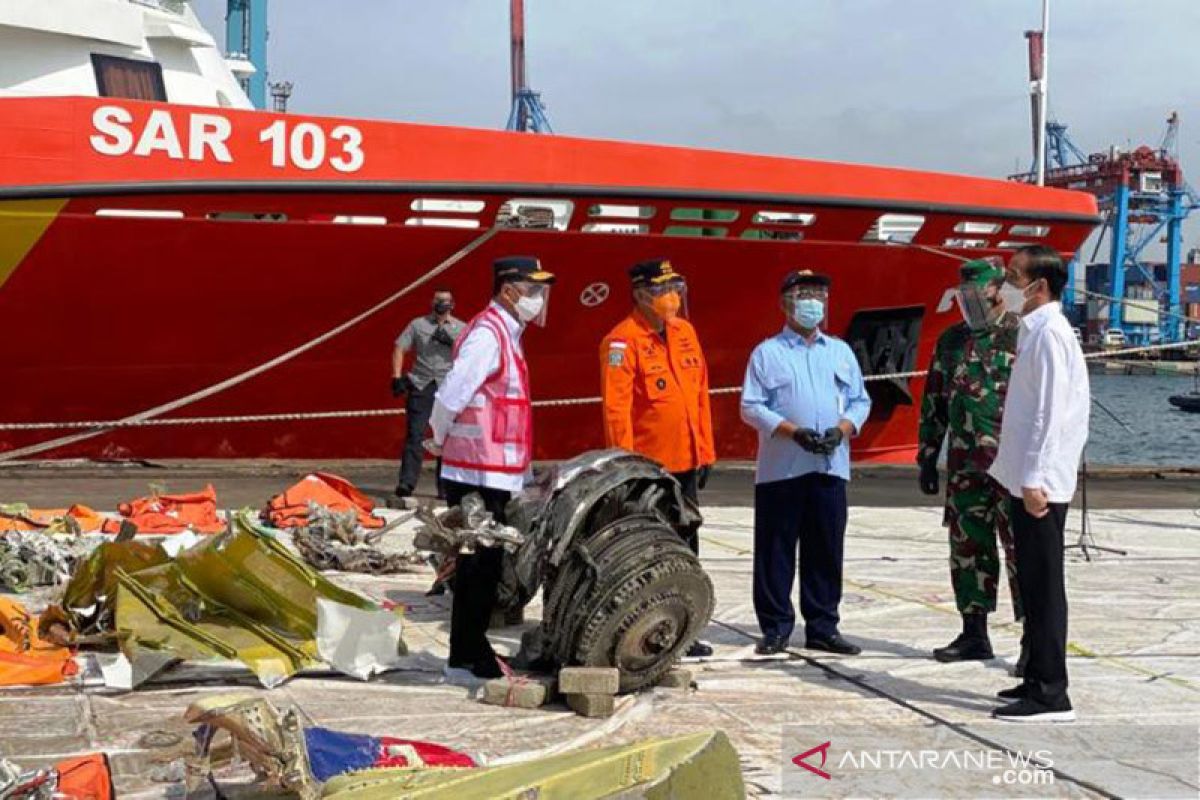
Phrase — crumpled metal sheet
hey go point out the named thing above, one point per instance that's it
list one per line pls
(695, 765)
(238, 595)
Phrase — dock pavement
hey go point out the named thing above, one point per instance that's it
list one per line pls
(1134, 657)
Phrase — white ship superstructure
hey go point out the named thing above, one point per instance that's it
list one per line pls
(133, 49)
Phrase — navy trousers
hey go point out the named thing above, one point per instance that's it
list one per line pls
(806, 513)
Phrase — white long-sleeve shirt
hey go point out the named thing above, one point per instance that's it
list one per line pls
(1047, 409)
(478, 357)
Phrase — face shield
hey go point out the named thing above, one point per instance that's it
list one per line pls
(975, 304)
(807, 306)
(667, 300)
(533, 303)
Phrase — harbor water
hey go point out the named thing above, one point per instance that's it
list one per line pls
(1157, 433)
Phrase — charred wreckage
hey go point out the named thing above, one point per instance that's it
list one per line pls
(604, 535)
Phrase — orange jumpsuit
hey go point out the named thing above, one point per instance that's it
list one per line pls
(656, 393)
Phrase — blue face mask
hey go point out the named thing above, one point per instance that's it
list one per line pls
(808, 312)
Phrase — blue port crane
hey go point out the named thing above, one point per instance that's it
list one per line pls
(1143, 197)
(1140, 194)
(528, 113)
(246, 39)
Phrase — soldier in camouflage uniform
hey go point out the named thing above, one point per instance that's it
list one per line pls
(964, 397)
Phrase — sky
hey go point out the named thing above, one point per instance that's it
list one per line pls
(929, 84)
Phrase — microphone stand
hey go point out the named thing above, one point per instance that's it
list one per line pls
(1086, 541)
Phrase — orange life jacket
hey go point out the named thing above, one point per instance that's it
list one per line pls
(25, 658)
(39, 519)
(290, 508)
(171, 513)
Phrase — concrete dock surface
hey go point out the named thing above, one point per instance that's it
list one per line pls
(1134, 660)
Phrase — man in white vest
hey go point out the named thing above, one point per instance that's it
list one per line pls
(483, 429)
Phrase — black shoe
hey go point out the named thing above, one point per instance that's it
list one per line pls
(437, 590)
(834, 644)
(1028, 710)
(488, 668)
(1018, 692)
(770, 645)
(399, 498)
(965, 647)
(699, 649)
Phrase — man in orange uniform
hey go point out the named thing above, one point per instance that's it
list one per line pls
(655, 386)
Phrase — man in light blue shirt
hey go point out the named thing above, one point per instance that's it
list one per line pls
(805, 396)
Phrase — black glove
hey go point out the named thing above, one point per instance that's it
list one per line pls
(399, 386)
(829, 443)
(702, 476)
(808, 439)
(442, 337)
(929, 476)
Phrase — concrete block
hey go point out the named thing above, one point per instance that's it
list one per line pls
(591, 705)
(520, 692)
(589, 680)
(678, 678)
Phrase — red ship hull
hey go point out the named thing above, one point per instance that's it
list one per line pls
(110, 315)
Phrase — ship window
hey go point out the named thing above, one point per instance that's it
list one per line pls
(966, 243)
(902, 228)
(784, 218)
(139, 213)
(132, 80)
(535, 213)
(615, 227)
(445, 206)
(694, 230)
(620, 211)
(1012, 245)
(714, 214)
(358, 219)
(1032, 231)
(441, 222)
(777, 236)
(977, 227)
(246, 216)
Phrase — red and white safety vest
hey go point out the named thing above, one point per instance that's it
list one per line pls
(494, 433)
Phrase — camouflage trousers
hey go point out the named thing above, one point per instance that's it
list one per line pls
(977, 515)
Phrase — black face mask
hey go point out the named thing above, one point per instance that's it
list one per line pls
(443, 307)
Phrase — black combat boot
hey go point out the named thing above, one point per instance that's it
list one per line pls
(970, 645)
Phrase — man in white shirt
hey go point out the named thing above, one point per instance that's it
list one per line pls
(1044, 430)
(482, 425)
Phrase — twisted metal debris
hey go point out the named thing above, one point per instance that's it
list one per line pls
(333, 540)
